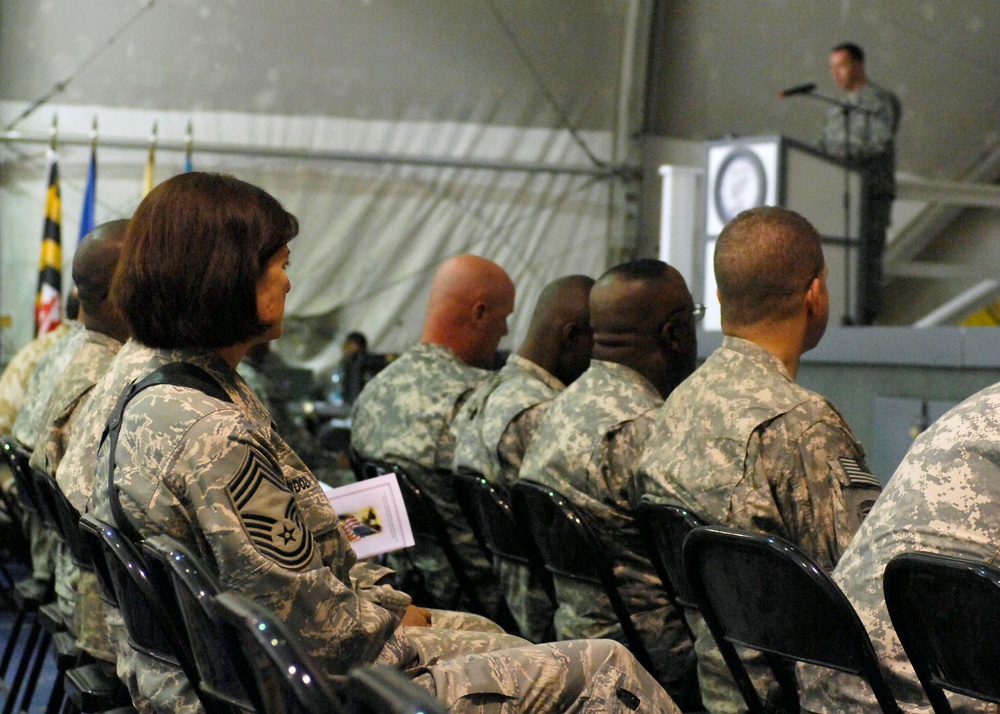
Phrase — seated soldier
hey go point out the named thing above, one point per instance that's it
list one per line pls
(205, 466)
(588, 443)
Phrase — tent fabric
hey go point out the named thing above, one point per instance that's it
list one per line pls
(371, 234)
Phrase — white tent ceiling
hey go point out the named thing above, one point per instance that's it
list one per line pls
(546, 83)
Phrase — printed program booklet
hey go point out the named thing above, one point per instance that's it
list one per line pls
(372, 515)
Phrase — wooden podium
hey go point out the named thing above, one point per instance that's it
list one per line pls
(755, 171)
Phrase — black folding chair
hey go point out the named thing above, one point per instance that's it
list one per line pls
(762, 592)
(152, 629)
(29, 595)
(429, 526)
(377, 689)
(279, 678)
(488, 509)
(192, 587)
(663, 528)
(284, 681)
(946, 612)
(571, 548)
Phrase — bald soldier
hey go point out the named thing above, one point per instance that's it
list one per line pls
(496, 423)
(403, 414)
(740, 443)
(93, 266)
(589, 439)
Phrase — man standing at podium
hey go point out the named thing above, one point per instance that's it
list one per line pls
(863, 132)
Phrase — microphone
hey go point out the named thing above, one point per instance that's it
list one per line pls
(798, 89)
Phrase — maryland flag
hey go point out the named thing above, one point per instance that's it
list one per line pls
(149, 175)
(48, 302)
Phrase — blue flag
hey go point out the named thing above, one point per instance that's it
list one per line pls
(89, 197)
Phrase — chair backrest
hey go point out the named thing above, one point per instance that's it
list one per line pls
(503, 537)
(571, 548)
(464, 482)
(760, 591)
(17, 458)
(152, 628)
(427, 524)
(378, 689)
(68, 518)
(946, 612)
(282, 679)
(663, 528)
(193, 586)
(93, 542)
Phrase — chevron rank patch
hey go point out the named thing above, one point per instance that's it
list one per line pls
(270, 515)
(857, 474)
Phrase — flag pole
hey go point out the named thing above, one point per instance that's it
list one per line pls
(148, 179)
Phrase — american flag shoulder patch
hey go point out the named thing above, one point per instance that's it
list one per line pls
(857, 474)
(270, 515)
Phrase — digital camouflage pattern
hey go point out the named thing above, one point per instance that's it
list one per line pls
(215, 476)
(50, 365)
(404, 415)
(740, 444)
(872, 136)
(492, 432)
(71, 389)
(494, 426)
(944, 498)
(586, 447)
(580, 676)
(14, 380)
(27, 428)
(873, 150)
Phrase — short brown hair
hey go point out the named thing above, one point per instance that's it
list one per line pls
(194, 252)
(764, 259)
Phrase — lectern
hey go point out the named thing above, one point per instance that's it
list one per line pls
(746, 172)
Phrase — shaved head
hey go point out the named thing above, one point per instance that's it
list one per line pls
(559, 337)
(470, 300)
(642, 315)
(93, 268)
(765, 260)
(95, 260)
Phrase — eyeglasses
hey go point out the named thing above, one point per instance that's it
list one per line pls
(696, 311)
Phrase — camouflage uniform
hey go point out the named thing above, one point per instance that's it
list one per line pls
(494, 426)
(14, 380)
(944, 498)
(70, 391)
(872, 148)
(492, 432)
(740, 444)
(403, 415)
(586, 447)
(13, 383)
(218, 478)
(28, 427)
(28, 424)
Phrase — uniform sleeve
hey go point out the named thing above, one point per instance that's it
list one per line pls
(241, 508)
(821, 489)
(515, 438)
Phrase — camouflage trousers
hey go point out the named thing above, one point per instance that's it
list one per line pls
(160, 688)
(580, 676)
(43, 549)
(719, 692)
(528, 603)
(91, 619)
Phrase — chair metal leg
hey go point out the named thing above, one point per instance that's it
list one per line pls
(15, 634)
(22, 668)
(41, 653)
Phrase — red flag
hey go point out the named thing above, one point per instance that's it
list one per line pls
(48, 301)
